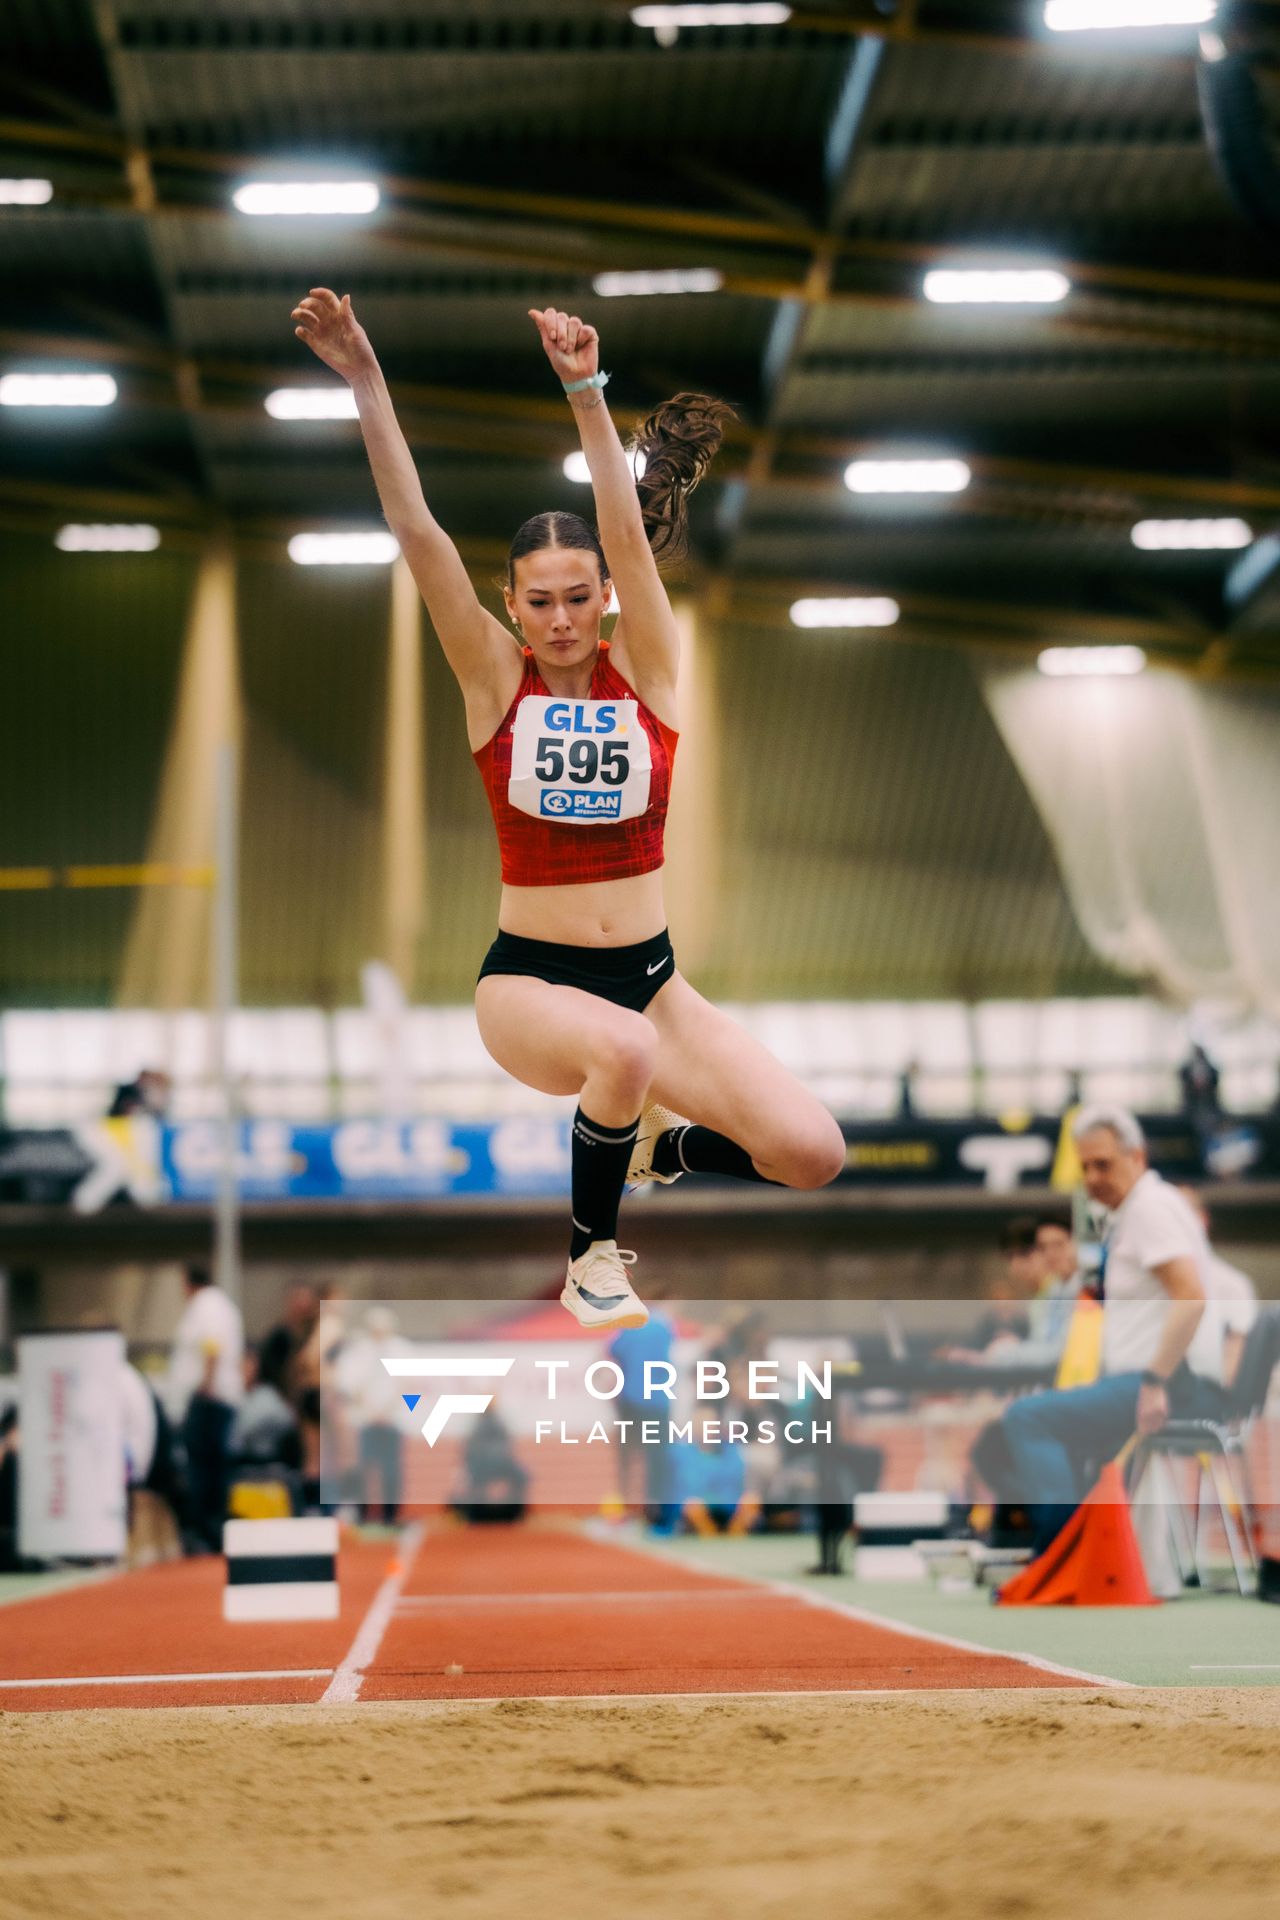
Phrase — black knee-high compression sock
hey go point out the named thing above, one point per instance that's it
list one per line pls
(600, 1159)
(699, 1150)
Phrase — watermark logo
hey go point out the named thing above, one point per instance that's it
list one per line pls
(459, 1367)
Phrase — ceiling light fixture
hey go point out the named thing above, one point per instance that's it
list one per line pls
(344, 549)
(875, 612)
(1064, 663)
(312, 403)
(57, 390)
(25, 193)
(612, 286)
(907, 476)
(1191, 536)
(1104, 16)
(996, 286)
(101, 537)
(577, 470)
(312, 197)
(666, 22)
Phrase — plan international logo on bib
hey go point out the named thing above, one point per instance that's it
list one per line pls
(581, 806)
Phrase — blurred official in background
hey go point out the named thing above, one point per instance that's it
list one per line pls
(1161, 1351)
(205, 1386)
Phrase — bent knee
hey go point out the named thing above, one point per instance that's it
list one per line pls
(625, 1051)
(812, 1158)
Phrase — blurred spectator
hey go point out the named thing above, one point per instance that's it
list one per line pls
(907, 1090)
(1232, 1295)
(369, 1398)
(1025, 1265)
(1198, 1077)
(708, 1478)
(205, 1386)
(10, 1446)
(649, 1465)
(152, 1473)
(315, 1364)
(1005, 1326)
(288, 1339)
(265, 1432)
(490, 1463)
(844, 1468)
(149, 1094)
(1032, 1306)
(1063, 1282)
(141, 1424)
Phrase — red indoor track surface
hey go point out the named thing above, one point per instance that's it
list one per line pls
(526, 1611)
(168, 1620)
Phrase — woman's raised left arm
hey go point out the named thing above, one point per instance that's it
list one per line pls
(652, 636)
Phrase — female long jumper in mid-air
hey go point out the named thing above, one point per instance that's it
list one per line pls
(575, 737)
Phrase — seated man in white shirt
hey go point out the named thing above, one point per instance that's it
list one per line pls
(1161, 1352)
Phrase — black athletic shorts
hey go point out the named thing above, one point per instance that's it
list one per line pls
(628, 976)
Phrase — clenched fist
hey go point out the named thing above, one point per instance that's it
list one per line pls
(334, 335)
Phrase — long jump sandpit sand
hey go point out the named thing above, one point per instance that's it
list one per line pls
(946, 1806)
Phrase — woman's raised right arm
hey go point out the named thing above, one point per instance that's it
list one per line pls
(476, 646)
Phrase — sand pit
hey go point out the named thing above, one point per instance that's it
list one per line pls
(944, 1805)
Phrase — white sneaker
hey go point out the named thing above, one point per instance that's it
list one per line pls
(597, 1291)
(654, 1122)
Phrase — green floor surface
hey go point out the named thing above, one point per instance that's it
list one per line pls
(1198, 1640)
(34, 1586)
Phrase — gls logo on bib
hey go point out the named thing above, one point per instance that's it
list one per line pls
(579, 762)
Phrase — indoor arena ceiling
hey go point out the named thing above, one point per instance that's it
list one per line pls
(821, 167)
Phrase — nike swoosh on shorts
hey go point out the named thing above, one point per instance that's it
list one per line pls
(662, 963)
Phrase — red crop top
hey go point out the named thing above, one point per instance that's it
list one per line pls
(552, 852)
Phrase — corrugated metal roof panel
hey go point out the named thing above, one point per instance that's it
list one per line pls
(1135, 391)
(1097, 191)
(709, 99)
(948, 92)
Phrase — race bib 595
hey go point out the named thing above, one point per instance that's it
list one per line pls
(580, 762)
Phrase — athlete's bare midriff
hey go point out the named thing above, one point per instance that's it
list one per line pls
(602, 913)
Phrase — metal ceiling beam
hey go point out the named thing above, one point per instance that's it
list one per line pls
(501, 410)
(670, 223)
(785, 345)
(959, 621)
(32, 499)
(952, 610)
(842, 147)
(144, 200)
(1251, 596)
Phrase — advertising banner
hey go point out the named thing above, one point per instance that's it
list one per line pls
(71, 1490)
(371, 1159)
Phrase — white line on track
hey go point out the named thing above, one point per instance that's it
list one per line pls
(1235, 1666)
(349, 1675)
(418, 1602)
(827, 1604)
(168, 1679)
(717, 1695)
(831, 1605)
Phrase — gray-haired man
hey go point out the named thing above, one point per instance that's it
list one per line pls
(1160, 1349)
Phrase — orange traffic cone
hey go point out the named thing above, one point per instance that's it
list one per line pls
(1094, 1562)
